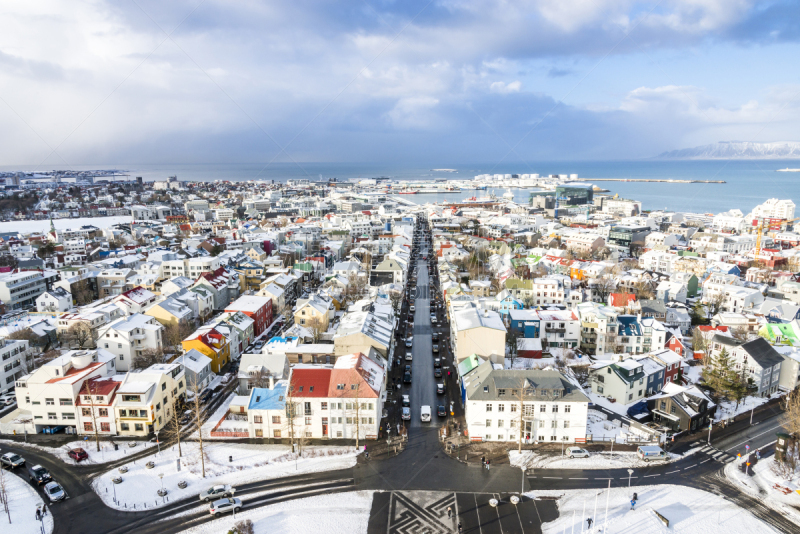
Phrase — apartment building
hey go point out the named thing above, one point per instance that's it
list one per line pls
(49, 393)
(128, 337)
(14, 358)
(20, 290)
(537, 405)
(259, 309)
(112, 282)
(135, 300)
(95, 404)
(55, 300)
(146, 400)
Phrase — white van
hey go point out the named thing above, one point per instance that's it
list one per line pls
(425, 414)
(652, 453)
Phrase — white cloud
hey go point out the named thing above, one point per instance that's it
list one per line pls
(413, 113)
(505, 88)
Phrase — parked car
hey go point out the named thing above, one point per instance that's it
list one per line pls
(409, 342)
(39, 474)
(406, 400)
(8, 398)
(425, 414)
(437, 362)
(205, 397)
(223, 506)
(407, 378)
(441, 411)
(11, 460)
(216, 492)
(652, 453)
(577, 452)
(409, 356)
(411, 308)
(54, 491)
(435, 337)
(78, 454)
(186, 417)
(407, 369)
(406, 415)
(433, 318)
(435, 347)
(441, 389)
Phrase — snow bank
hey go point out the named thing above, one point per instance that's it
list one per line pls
(22, 503)
(596, 460)
(776, 491)
(728, 409)
(250, 463)
(106, 454)
(345, 513)
(689, 511)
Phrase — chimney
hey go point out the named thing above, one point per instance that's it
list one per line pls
(271, 382)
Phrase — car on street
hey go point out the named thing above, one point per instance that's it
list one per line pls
(407, 378)
(39, 474)
(186, 417)
(205, 397)
(11, 460)
(411, 308)
(217, 492)
(577, 452)
(425, 414)
(78, 454)
(437, 362)
(407, 369)
(435, 337)
(433, 318)
(406, 400)
(8, 398)
(409, 342)
(440, 389)
(406, 415)
(441, 411)
(54, 491)
(435, 347)
(409, 356)
(223, 506)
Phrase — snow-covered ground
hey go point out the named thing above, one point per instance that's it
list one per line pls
(106, 454)
(775, 490)
(215, 418)
(596, 460)
(688, 510)
(22, 503)
(616, 407)
(250, 463)
(61, 224)
(728, 409)
(345, 513)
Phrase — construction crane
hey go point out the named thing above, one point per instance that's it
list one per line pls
(760, 232)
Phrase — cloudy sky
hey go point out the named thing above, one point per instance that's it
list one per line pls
(406, 81)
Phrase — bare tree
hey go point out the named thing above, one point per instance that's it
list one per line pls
(174, 333)
(714, 303)
(173, 430)
(82, 293)
(294, 411)
(699, 341)
(81, 334)
(512, 346)
(4, 494)
(603, 287)
(791, 415)
(90, 411)
(197, 408)
(147, 358)
(317, 329)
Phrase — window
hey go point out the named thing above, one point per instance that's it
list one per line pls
(163, 386)
(258, 419)
(308, 421)
(130, 398)
(501, 392)
(553, 438)
(672, 409)
(567, 408)
(49, 402)
(65, 402)
(276, 433)
(488, 423)
(124, 426)
(566, 424)
(541, 424)
(105, 427)
(599, 389)
(276, 419)
(324, 406)
(501, 407)
(67, 415)
(555, 408)
(488, 407)
(259, 433)
(500, 423)
(86, 412)
(51, 415)
(87, 427)
(553, 424)
(513, 408)
(543, 408)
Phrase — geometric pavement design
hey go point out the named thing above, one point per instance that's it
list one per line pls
(409, 517)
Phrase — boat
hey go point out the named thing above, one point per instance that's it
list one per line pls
(406, 192)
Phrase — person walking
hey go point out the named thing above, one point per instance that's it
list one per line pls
(459, 528)
(488, 464)
(449, 512)
(589, 523)
(483, 461)
(38, 515)
(633, 504)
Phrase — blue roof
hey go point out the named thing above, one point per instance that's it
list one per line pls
(629, 325)
(268, 399)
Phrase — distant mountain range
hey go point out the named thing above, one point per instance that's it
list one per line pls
(738, 150)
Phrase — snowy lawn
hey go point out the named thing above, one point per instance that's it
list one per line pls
(250, 463)
(106, 454)
(616, 407)
(688, 510)
(728, 409)
(341, 513)
(777, 491)
(22, 503)
(215, 418)
(596, 460)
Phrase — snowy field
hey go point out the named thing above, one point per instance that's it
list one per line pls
(250, 463)
(776, 491)
(728, 409)
(106, 454)
(22, 503)
(596, 460)
(61, 224)
(689, 511)
(341, 513)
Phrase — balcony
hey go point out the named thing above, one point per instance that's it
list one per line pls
(139, 337)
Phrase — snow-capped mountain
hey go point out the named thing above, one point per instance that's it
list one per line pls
(738, 150)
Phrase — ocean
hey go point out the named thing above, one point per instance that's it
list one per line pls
(748, 182)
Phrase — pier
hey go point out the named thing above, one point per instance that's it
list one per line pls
(653, 180)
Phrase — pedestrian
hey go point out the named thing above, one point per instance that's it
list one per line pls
(589, 522)
(758, 454)
(635, 496)
(483, 461)
(459, 528)
(44, 510)
(488, 464)
(633, 503)
(38, 515)
(449, 512)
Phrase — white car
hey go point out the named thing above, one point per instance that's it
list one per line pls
(54, 491)
(7, 399)
(223, 506)
(411, 308)
(409, 342)
(406, 416)
(425, 414)
(409, 356)
(577, 452)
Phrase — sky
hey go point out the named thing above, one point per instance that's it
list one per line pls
(402, 81)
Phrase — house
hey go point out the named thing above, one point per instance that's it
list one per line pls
(358, 331)
(529, 348)
(534, 405)
(481, 332)
(209, 341)
(654, 374)
(146, 400)
(257, 370)
(50, 392)
(678, 318)
(128, 337)
(171, 311)
(598, 328)
(257, 308)
(266, 411)
(222, 284)
(654, 309)
(95, 403)
(324, 353)
(682, 408)
(57, 299)
(672, 363)
(244, 328)
(668, 290)
(15, 354)
(756, 359)
(197, 368)
(136, 300)
(525, 323)
(623, 381)
(314, 312)
(676, 344)
(560, 329)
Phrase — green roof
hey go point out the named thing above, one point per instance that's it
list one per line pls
(784, 331)
(516, 283)
(468, 364)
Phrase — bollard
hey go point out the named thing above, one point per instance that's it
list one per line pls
(230, 458)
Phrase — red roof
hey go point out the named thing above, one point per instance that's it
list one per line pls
(709, 328)
(622, 299)
(73, 374)
(310, 382)
(97, 386)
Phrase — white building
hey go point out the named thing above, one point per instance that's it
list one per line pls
(773, 209)
(14, 354)
(128, 337)
(57, 299)
(544, 405)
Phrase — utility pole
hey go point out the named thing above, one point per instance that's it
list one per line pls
(709, 431)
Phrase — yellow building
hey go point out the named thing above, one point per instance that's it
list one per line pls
(212, 343)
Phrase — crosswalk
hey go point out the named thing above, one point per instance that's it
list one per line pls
(714, 453)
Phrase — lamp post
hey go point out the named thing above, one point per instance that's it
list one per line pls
(709, 432)
(630, 472)
(158, 443)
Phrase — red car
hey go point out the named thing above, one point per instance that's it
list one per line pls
(78, 454)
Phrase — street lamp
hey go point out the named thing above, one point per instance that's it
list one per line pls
(158, 443)
(630, 472)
